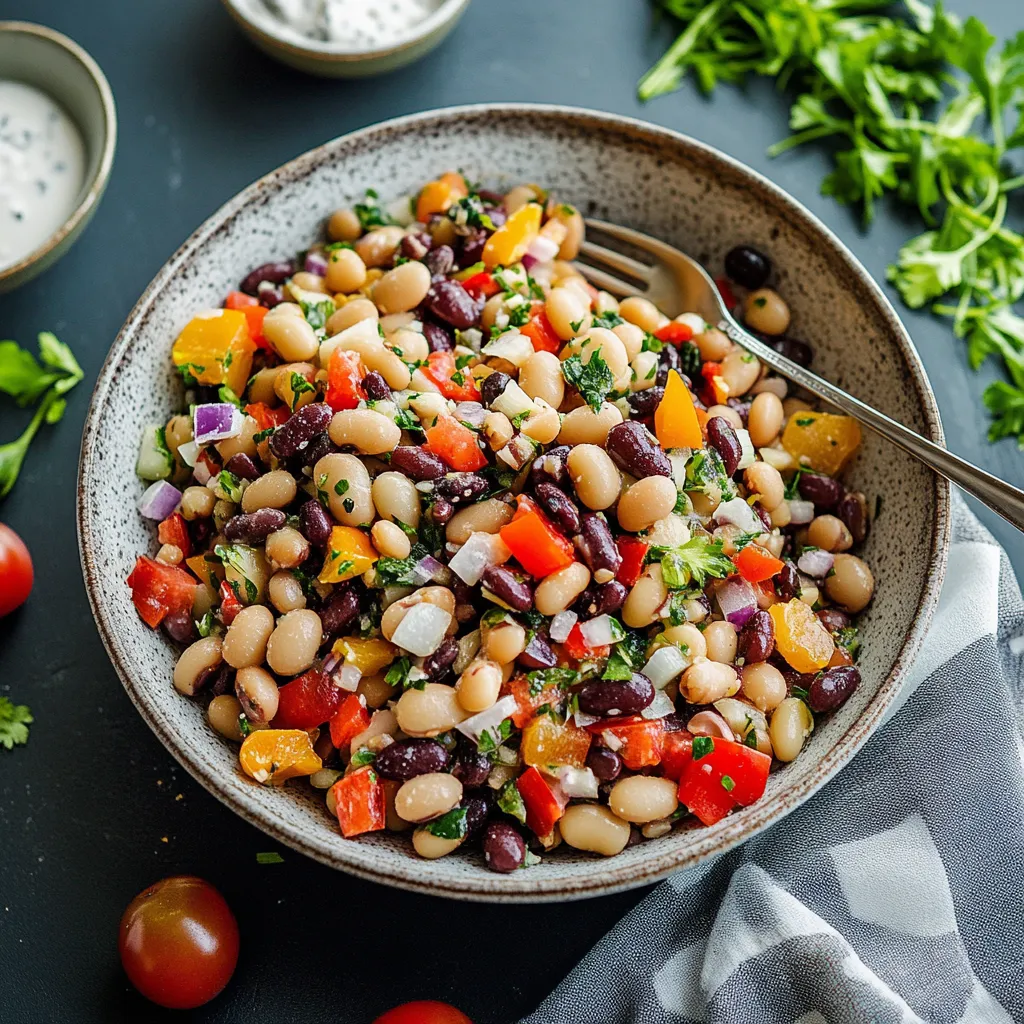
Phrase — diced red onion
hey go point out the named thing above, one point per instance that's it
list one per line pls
(485, 721)
(428, 569)
(816, 563)
(159, 500)
(422, 629)
(216, 421)
(315, 263)
(331, 662)
(710, 723)
(661, 706)
(561, 626)
(471, 412)
(664, 665)
(800, 512)
(481, 551)
(580, 783)
(737, 600)
(529, 262)
(541, 250)
(739, 513)
(597, 632)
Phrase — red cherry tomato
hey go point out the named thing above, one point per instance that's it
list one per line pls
(15, 571)
(179, 942)
(423, 1011)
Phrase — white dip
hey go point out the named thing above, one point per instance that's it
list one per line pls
(42, 169)
(352, 24)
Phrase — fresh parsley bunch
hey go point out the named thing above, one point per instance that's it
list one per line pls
(915, 104)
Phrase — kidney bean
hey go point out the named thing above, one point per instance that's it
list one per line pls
(791, 348)
(493, 386)
(461, 488)
(604, 763)
(762, 513)
(833, 687)
(471, 767)
(300, 429)
(597, 546)
(472, 250)
(757, 638)
(722, 437)
(450, 302)
(180, 627)
(821, 489)
(787, 582)
(492, 199)
(315, 263)
(405, 759)
(270, 295)
(503, 583)
(538, 653)
(559, 507)
(417, 463)
(441, 511)
(222, 680)
(376, 387)
(740, 407)
(478, 809)
(440, 261)
(415, 247)
(199, 532)
(242, 466)
(853, 510)
(673, 722)
(438, 664)
(631, 448)
(255, 527)
(314, 523)
(668, 359)
(612, 697)
(439, 339)
(275, 273)
(550, 466)
(601, 599)
(340, 610)
(504, 847)
(833, 619)
(643, 403)
(320, 446)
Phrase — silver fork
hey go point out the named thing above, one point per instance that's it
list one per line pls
(676, 284)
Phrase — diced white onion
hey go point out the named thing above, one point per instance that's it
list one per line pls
(363, 332)
(347, 677)
(511, 345)
(800, 512)
(471, 412)
(400, 211)
(747, 456)
(542, 248)
(481, 551)
(561, 626)
(202, 473)
(582, 719)
(664, 665)
(513, 401)
(422, 629)
(659, 707)
(739, 513)
(678, 458)
(600, 631)
(580, 783)
(486, 721)
(189, 452)
(610, 740)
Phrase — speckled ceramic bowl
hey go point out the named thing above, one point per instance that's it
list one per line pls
(619, 169)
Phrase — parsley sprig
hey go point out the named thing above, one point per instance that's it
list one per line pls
(592, 379)
(14, 722)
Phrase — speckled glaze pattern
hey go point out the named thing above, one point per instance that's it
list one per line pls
(619, 169)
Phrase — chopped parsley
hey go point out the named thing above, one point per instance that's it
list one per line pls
(317, 313)
(230, 484)
(804, 421)
(511, 801)
(848, 638)
(469, 211)
(705, 472)
(269, 858)
(397, 572)
(399, 673)
(14, 722)
(299, 386)
(540, 679)
(363, 756)
(693, 562)
(727, 783)
(592, 379)
(702, 746)
(607, 320)
(237, 557)
(491, 739)
(451, 825)
(341, 487)
(262, 435)
(204, 626)
(369, 212)
(690, 359)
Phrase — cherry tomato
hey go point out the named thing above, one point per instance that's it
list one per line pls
(423, 1011)
(15, 571)
(179, 942)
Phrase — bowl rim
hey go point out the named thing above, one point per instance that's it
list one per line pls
(335, 54)
(607, 879)
(98, 183)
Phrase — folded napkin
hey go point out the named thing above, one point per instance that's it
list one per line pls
(895, 894)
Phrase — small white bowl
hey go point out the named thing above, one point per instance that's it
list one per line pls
(332, 60)
(40, 57)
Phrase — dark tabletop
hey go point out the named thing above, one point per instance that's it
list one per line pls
(93, 808)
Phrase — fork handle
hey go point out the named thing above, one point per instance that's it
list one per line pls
(1004, 499)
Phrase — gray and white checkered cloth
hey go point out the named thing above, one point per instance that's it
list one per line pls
(895, 894)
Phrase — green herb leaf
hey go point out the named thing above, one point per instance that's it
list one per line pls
(269, 858)
(702, 746)
(451, 825)
(693, 562)
(592, 379)
(14, 722)
(511, 801)
(540, 679)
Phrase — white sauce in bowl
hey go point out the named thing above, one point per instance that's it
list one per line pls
(42, 169)
(351, 24)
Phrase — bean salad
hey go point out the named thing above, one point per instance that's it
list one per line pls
(488, 555)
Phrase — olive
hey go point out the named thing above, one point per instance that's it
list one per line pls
(747, 266)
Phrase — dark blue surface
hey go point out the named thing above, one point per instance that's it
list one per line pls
(94, 809)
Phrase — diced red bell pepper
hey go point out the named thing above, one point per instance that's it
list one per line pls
(676, 749)
(267, 418)
(725, 290)
(641, 739)
(527, 703)
(240, 300)
(159, 590)
(360, 803)
(230, 605)
(482, 284)
(308, 701)
(349, 720)
(254, 314)
(755, 564)
(344, 376)
(543, 807)
(535, 542)
(577, 648)
(456, 444)
(634, 554)
(731, 774)
(441, 370)
(539, 330)
(674, 332)
(715, 388)
(174, 531)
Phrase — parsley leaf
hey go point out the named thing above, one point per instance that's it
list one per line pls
(451, 825)
(592, 379)
(14, 722)
(369, 212)
(510, 801)
(702, 746)
(540, 679)
(693, 562)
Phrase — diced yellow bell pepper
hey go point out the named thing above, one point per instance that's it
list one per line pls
(216, 348)
(209, 572)
(349, 554)
(369, 656)
(273, 756)
(545, 742)
(509, 243)
(821, 440)
(675, 419)
(800, 637)
(437, 196)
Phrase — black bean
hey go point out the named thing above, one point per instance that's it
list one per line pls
(376, 387)
(450, 302)
(493, 387)
(461, 488)
(441, 511)
(538, 653)
(417, 463)
(632, 449)
(791, 348)
(503, 583)
(439, 339)
(757, 638)
(242, 466)
(787, 582)
(416, 246)
(255, 527)
(643, 403)
(471, 767)
(472, 250)
(340, 610)
(559, 507)
(722, 437)
(320, 446)
(300, 428)
(833, 687)
(504, 848)
(833, 619)
(438, 664)
(821, 489)
(747, 266)
(314, 523)
(405, 759)
(440, 261)
(604, 763)
(550, 466)
(180, 627)
(478, 809)
(613, 697)
(597, 546)
(270, 295)
(275, 273)
(853, 510)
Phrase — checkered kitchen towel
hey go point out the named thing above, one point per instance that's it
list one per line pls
(896, 894)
